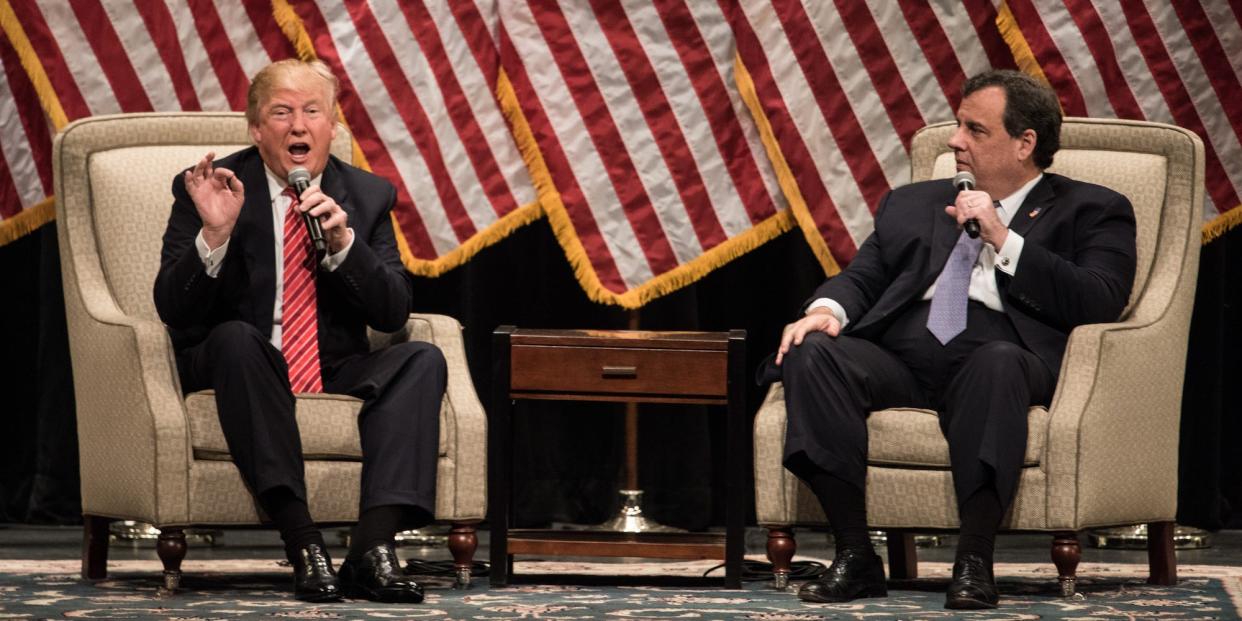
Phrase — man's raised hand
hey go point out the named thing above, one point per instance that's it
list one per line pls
(218, 195)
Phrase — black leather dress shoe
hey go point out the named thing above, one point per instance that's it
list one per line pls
(973, 587)
(313, 578)
(854, 574)
(377, 576)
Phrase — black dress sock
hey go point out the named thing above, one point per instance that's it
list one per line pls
(846, 508)
(292, 517)
(981, 516)
(377, 526)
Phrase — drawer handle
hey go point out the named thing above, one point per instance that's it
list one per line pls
(620, 372)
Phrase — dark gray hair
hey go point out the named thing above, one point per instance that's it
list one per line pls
(1029, 104)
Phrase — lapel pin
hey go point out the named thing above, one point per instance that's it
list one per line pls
(1034, 212)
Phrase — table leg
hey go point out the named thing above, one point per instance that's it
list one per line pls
(500, 460)
(738, 462)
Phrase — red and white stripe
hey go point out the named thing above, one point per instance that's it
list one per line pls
(102, 57)
(25, 141)
(845, 85)
(637, 117)
(1172, 62)
(418, 82)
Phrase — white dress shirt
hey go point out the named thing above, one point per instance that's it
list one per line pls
(982, 280)
(213, 259)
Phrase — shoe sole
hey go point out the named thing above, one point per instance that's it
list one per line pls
(320, 599)
(385, 597)
(969, 603)
(818, 599)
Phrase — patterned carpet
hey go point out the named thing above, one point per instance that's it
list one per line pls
(245, 590)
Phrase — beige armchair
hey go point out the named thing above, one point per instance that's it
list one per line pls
(152, 455)
(1105, 452)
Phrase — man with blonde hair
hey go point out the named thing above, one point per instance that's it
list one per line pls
(258, 313)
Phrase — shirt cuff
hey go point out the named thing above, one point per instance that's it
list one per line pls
(833, 306)
(212, 259)
(333, 261)
(1007, 258)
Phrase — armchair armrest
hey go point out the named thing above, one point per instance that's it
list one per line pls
(1113, 433)
(461, 482)
(131, 419)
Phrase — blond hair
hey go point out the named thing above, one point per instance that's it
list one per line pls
(285, 73)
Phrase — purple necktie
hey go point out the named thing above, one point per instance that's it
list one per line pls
(947, 316)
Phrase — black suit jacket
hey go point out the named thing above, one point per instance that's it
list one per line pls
(1077, 264)
(369, 288)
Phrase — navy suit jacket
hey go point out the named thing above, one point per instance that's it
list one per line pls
(370, 288)
(1077, 264)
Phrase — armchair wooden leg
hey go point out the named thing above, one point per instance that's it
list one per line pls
(903, 556)
(1161, 555)
(95, 547)
(462, 542)
(171, 549)
(1066, 552)
(781, 549)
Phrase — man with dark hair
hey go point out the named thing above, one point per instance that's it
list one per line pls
(925, 316)
(257, 314)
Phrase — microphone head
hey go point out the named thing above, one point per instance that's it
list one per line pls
(301, 176)
(962, 181)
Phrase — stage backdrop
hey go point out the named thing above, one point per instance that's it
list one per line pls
(658, 139)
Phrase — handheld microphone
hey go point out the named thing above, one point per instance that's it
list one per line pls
(300, 178)
(966, 181)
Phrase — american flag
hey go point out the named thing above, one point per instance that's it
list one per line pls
(418, 82)
(1173, 62)
(845, 85)
(661, 138)
(68, 61)
(659, 171)
(25, 151)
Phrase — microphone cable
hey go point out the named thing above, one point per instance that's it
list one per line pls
(418, 567)
(755, 571)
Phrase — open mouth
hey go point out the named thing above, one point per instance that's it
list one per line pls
(299, 149)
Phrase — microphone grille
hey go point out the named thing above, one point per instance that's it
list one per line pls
(964, 178)
(299, 175)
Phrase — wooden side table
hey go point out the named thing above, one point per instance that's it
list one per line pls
(622, 366)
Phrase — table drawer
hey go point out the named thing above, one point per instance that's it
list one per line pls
(554, 369)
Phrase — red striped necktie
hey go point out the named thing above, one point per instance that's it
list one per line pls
(299, 335)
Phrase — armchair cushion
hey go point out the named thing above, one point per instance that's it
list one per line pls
(911, 437)
(327, 423)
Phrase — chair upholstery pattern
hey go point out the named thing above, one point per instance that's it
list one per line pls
(147, 453)
(1105, 452)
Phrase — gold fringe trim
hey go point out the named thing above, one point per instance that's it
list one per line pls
(1222, 224)
(28, 220)
(294, 29)
(1021, 50)
(707, 262)
(567, 236)
(548, 195)
(497, 231)
(34, 67)
(784, 175)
